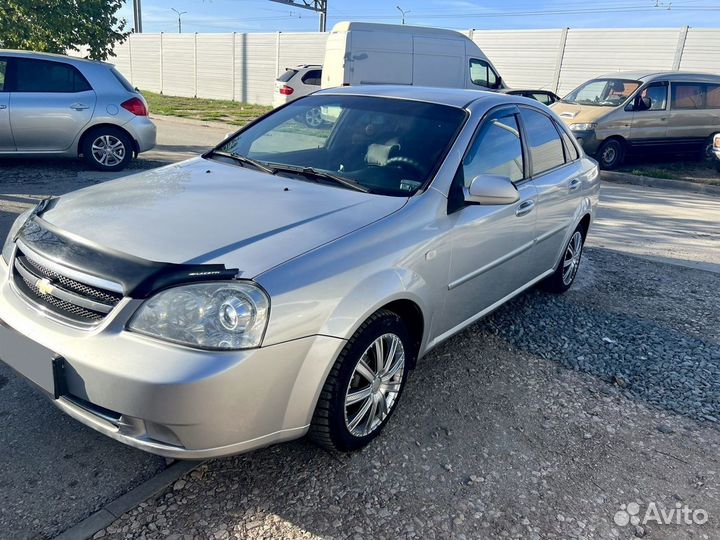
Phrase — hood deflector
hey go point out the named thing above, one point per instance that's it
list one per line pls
(139, 278)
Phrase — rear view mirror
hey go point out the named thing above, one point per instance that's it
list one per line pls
(491, 189)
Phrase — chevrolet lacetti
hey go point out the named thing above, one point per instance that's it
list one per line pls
(288, 280)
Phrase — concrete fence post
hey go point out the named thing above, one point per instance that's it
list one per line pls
(559, 59)
(277, 54)
(195, 57)
(680, 48)
(233, 66)
(162, 65)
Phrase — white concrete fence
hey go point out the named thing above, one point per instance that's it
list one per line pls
(242, 67)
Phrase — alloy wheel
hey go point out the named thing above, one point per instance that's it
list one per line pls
(571, 261)
(313, 117)
(108, 150)
(374, 385)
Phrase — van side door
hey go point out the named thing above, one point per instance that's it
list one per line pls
(50, 103)
(7, 144)
(694, 113)
(650, 114)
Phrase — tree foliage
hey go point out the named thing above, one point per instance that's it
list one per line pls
(61, 25)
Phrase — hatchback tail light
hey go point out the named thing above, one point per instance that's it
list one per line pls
(286, 90)
(136, 106)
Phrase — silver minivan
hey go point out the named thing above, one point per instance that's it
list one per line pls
(627, 112)
(54, 105)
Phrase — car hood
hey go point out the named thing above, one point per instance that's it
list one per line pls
(580, 114)
(205, 211)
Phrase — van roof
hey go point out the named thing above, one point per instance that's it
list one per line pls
(646, 76)
(454, 97)
(346, 26)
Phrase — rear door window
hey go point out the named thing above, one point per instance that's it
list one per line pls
(44, 76)
(312, 77)
(546, 148)
(713, 96)
(688, 96)
(122, 80)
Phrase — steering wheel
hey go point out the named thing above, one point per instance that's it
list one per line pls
(408, 163)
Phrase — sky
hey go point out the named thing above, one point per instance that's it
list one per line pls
(268, 16)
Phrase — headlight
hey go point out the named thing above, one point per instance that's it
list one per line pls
(217, 316)
(582, 127)
(9, 244)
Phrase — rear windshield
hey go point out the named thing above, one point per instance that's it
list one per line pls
(289, 74)
(122, 80)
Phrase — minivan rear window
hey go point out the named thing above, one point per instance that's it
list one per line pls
(289, 74)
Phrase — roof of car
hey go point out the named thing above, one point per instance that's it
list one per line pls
(454, 97)
(45, 56)
(668, 75)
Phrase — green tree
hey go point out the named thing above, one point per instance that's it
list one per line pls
(61, 25)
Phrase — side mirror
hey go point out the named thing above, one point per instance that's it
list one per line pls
(498, 83)
(491, 189)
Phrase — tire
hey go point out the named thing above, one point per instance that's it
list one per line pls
(610, 154)
(107, 149)
(313, 117)
(337, 425)
(564, 276)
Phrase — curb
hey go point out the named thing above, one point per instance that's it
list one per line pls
(649, 181)
(195, 122)
(97, 521)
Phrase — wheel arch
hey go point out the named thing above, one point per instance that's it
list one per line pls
(95, 127)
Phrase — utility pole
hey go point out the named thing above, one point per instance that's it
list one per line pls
(137, 17)
(319, 6)
(179, 14)
(404, 12)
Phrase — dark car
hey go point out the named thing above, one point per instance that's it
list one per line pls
(545, 97)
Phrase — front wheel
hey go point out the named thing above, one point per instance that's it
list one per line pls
(610, 154)
(562, 279)
(364, 385)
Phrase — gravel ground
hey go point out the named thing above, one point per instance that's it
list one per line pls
(496, 438)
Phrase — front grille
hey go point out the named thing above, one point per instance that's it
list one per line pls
(60, 294)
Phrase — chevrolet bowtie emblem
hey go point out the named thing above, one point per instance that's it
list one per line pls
(44, 286)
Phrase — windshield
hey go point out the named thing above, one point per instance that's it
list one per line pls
(603, 92)
(388, 146)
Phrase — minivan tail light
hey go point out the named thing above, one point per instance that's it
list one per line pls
(136, 106)
(286, 90)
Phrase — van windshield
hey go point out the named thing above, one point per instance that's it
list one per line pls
(384, 145)
(602, 92)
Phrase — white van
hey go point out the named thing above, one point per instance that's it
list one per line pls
(360, 53)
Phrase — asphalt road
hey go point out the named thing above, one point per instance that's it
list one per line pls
(56, 472)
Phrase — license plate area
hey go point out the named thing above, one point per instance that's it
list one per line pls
(39, 365)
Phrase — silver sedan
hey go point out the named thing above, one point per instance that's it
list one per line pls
(58, 106)
(288, 281)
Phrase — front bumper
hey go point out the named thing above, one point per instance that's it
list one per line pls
(143, 131)
(172, 400)
(588, 140)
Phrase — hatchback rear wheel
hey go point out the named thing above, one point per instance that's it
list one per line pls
(364, 385)
(107, 149)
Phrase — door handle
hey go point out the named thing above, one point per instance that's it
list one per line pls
(525, 208)
(574, 184)
(79, 106)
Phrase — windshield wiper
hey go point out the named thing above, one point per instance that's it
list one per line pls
(245, 161)
(321, 175)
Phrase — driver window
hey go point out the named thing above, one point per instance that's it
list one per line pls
(496, 150)
(482, 74)
(656, 94)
